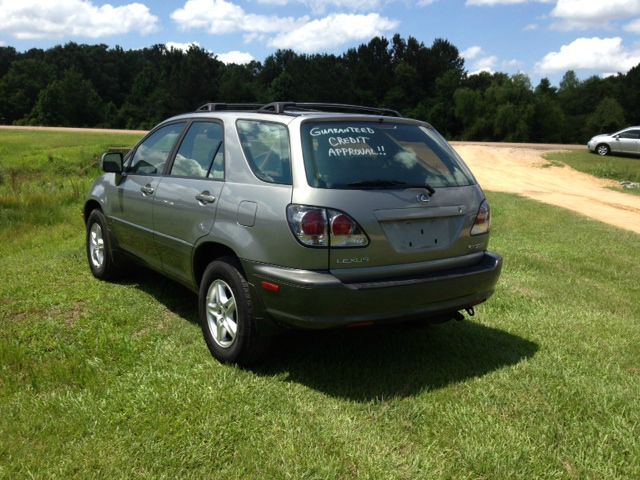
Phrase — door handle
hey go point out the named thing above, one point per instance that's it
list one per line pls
(147, 189)
(205, 197)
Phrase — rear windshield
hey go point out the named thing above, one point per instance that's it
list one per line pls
(348, 155)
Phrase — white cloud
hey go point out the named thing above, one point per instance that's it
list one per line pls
(332, 31)
(484, 64)
(471, 52)
(633, 27)
(278, 3)
(479, 60)
(180, 46)
(584, 14)
(599, 54)
(491, 3)
(220, 16)
(531, 27)
(425, 3)
(35, 19)
(321, 6)
(512, 64)
(235, 56)
(301, 34)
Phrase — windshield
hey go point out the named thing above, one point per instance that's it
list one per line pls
(346, 155)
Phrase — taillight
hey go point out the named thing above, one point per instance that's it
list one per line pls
(483, 220)
(345, 232)
(309, 225)
(313, 223)
(342, 225)
(321, 227)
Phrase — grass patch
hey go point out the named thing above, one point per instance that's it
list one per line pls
(114, 379)
(42, 173)
(610, 167)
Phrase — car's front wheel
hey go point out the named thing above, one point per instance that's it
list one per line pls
(229, 326)
(603, 150)
(99, 252)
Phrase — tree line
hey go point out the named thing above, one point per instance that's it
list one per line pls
(97, 86)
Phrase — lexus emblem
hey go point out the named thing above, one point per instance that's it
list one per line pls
(423, 198)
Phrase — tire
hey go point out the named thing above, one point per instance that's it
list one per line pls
(98, 244)
(603, 149)
(227, 318)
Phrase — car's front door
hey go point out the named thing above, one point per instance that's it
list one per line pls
(131, 212)
(186, 199)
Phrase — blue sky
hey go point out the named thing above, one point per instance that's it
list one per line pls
(541, 38)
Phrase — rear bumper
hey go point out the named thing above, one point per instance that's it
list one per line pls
(312, 299)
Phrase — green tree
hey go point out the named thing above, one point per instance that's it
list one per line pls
(237, 84)
(20, 87)
(7, 56)
(631, 95)
(70, 101)
(608, 117)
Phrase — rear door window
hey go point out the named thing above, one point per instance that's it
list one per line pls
(354, 155)
(266, 147)
(201, 153)
(634, 134)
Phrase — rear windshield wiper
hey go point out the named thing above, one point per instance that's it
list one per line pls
(390, 184)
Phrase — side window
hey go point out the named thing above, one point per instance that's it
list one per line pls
(266, 146)
(635, 134)
(152, 154)
(201, 153)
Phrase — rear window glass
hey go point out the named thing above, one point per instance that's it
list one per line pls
(347, 155)
(266, 147)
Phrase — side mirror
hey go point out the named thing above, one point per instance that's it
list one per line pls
(112, 162)
(617, 137)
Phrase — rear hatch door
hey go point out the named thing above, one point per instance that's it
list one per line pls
(404, 186)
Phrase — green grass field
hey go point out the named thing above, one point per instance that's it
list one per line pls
(101, 380)
(611, 167)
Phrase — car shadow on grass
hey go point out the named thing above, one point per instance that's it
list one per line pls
(368, 364)
(394, 361)
(174, 296)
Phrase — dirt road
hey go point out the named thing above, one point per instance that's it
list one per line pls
(522, 170)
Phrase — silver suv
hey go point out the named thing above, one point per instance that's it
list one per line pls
(296, 215)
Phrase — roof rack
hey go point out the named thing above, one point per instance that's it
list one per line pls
(281, 107)
(217, 107)
(284, 107)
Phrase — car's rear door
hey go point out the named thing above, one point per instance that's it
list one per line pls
(186, 199)
(634, 141)
(131, 206)
(627, 142)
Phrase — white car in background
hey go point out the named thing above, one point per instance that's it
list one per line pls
(625, 141)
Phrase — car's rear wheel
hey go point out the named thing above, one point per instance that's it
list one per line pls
(98, 245)
(228, 323)
(603, 150)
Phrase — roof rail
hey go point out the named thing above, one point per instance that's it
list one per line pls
(281, 107)
(217, 107)
(284, 107)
